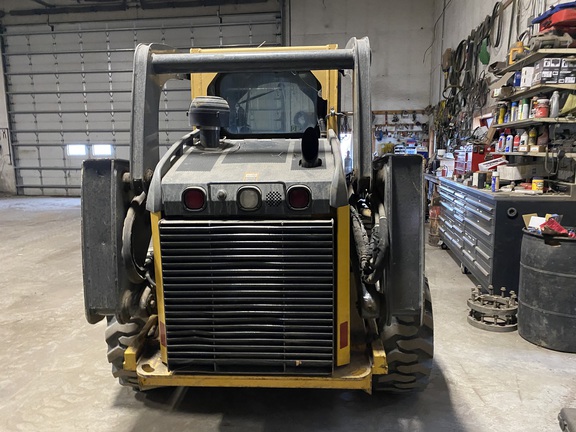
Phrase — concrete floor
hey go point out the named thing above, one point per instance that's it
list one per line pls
(56, 377)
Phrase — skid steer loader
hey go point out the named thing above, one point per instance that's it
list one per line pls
(245, 256)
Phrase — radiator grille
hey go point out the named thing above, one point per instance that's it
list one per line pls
(249, 297)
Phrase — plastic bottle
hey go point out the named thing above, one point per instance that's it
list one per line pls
(514, 111)
(509, 142)
(516, 143)
(501, 142)
(501, 112)
(555, 104)
(517, 78)
(524, 140)
(525, 109)
(495, 181)
(532, 137)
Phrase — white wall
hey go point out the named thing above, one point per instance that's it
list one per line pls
(399, 33)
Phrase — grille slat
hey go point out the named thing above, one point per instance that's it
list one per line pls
(249, 365)
(254, 294)
(253, 258)
(237, 271)
(246, 279)
(282, 329)
(201, 300)
(244, 319)
(257, 353)
(232, 286)
(295, 252)
(252, 307)
(203, 344)
(249, 297)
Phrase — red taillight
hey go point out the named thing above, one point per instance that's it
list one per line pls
(194, 199)
(299, 197)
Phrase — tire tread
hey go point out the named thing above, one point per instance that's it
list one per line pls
(409, 352)
(118, 338)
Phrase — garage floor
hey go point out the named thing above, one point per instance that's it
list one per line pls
(56, 377)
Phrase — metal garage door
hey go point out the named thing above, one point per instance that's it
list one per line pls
(69, 89)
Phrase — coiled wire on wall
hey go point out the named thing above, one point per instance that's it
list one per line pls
(465, 89)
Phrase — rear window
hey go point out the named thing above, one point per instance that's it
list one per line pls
(270, 103)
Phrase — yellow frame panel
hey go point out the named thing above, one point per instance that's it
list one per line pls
(155, 219)
(343, 285)
(152, 372)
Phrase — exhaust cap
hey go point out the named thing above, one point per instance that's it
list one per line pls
(209, 114)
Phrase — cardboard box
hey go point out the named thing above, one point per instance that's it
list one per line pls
(547, 71)
(527, 217)
(479, 179)
(538, 148)
(568, 65)
(534, 221)
(527, 76)
(567, 76)
(520, 172)
(492, 164)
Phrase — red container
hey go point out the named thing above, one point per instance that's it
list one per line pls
(561, 19)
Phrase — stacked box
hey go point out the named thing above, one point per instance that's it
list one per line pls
(527, 76)
(547, 71)
(520, 171)
(567, 74)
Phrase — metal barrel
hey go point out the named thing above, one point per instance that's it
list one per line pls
(547, 291)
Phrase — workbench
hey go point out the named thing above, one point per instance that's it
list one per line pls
(483, 229)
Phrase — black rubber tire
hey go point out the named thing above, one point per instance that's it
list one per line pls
(118, 338)
(409, 352)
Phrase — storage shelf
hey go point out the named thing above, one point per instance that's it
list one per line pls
(534, 90)
(538, 55)
(534, 121)
(532, 154)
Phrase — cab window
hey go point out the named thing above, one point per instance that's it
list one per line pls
(270, 103)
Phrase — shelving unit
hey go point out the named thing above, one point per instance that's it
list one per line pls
(532, 154)
(536, 121)
(537, 89)
(406, 126)
(525, 123)
(538, 55)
